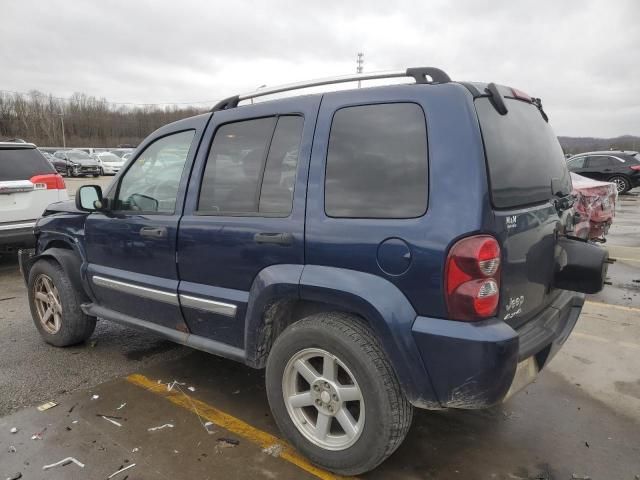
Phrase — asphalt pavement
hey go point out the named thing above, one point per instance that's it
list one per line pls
(580, 419)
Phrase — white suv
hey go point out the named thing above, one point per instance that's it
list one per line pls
(28, 184)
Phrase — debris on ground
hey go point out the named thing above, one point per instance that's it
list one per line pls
(207, 425)
(15, 476)
(117, 424)
(224, 442)
(63, 462)
(191, 389)
(75, 421)
(136, 449)
(46, 406)
(122, 469)
(14, 430)
(12, 449)
(38, 436)
(122, 406)
(575, 476)
(95, 397)
(166, 425)
(175, 383)
(72, 407)
(274, 450)
(236, 392)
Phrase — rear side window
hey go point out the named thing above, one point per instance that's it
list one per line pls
(22, 164)
(600, 161)
(377, 162)
(523, 154)
(251, 168)
(576, 162)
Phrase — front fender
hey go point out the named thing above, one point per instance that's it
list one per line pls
(387, 311)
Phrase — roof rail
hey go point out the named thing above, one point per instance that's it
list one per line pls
(429, 75)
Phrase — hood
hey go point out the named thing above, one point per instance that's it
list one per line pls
(68, 206)
(85, 162)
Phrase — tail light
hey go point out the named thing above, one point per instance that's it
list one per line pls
(635, 167)
(51, 181)
(472, 278)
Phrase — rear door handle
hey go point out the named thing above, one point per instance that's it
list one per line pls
(275, 238)
(153, 232)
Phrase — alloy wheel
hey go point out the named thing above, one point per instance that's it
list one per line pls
(47, 303)
(323, 399)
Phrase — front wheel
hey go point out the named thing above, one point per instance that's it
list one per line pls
(622, 184)
(55, 306)
(334, 394)
(70, 172)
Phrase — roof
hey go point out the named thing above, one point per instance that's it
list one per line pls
(15, 145)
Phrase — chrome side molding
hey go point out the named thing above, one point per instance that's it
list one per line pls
(213, 306)
(150, 293)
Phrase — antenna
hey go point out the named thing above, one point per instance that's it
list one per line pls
(360, 64)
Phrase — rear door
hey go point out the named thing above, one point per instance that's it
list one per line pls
(601, 167)
(528, 177)
(245, 210)
(131, 248)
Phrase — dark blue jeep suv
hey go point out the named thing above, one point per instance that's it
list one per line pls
(376, 249)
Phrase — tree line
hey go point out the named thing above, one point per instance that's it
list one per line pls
(88, 121)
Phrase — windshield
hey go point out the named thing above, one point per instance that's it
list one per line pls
(78, 155)
(524, 158)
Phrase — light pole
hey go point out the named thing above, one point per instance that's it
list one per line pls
(360, 63)
(64, 142)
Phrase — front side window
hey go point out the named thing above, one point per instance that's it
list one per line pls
(377, 162)
(576, 163)
(251, 167)
(151, 184)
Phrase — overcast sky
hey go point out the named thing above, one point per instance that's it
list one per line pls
(581, 57)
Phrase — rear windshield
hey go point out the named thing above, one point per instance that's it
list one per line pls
(524, 156)
(22, 164)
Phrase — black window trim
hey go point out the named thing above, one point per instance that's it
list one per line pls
(123, 174)
(326, 157)
(214, 213)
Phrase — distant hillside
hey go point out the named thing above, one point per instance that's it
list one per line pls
(588, 144)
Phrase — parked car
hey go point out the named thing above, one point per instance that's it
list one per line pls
(121, 151)
(48, 156)
(390, 267)
(127, 156)
(28, 183)
(619, 167)
(595, 207)
(110, 164)
(74, 163)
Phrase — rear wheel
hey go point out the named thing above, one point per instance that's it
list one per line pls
(55, 306)
(334, 394)
(622, 184)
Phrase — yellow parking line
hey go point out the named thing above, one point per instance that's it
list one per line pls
(231, 423)
(609, 305)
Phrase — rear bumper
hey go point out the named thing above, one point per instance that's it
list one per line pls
(18, 234)
(473, 365)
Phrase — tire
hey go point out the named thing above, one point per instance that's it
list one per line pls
(363, 367)
(101, 172)
(67, 325)
(623, 185)
(96, 175)
(69, 172)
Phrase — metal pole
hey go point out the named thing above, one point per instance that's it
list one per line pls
(64, 142)
(360, 63)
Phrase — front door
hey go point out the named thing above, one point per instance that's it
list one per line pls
(245, 211)
(131, 248)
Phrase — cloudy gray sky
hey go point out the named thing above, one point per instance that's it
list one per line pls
(582, 57)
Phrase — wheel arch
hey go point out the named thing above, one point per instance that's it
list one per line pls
(65, 256)
(284, 294)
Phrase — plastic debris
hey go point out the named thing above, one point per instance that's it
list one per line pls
(121, 470)
(117, 424)
(274, 450)
(63, 462)
(122, 406)
(46, 406)
(12, 449)
(206, 427)
(136, 449)
(166, 425)
(95, 397)
(38, 436)
(191, 389)
(75, 421)
(15, 476)
(172, 385)
(14, 430)
(224, 442)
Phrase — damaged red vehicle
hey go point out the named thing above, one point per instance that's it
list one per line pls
(594, 207)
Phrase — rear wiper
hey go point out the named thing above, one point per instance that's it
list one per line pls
(538, 103)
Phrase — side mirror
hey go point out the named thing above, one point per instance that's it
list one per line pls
(89, 198)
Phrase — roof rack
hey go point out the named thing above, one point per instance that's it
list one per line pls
(429, 75)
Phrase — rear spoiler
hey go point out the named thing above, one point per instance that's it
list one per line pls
(497, 94)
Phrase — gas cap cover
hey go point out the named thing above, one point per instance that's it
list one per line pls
(394, 256)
